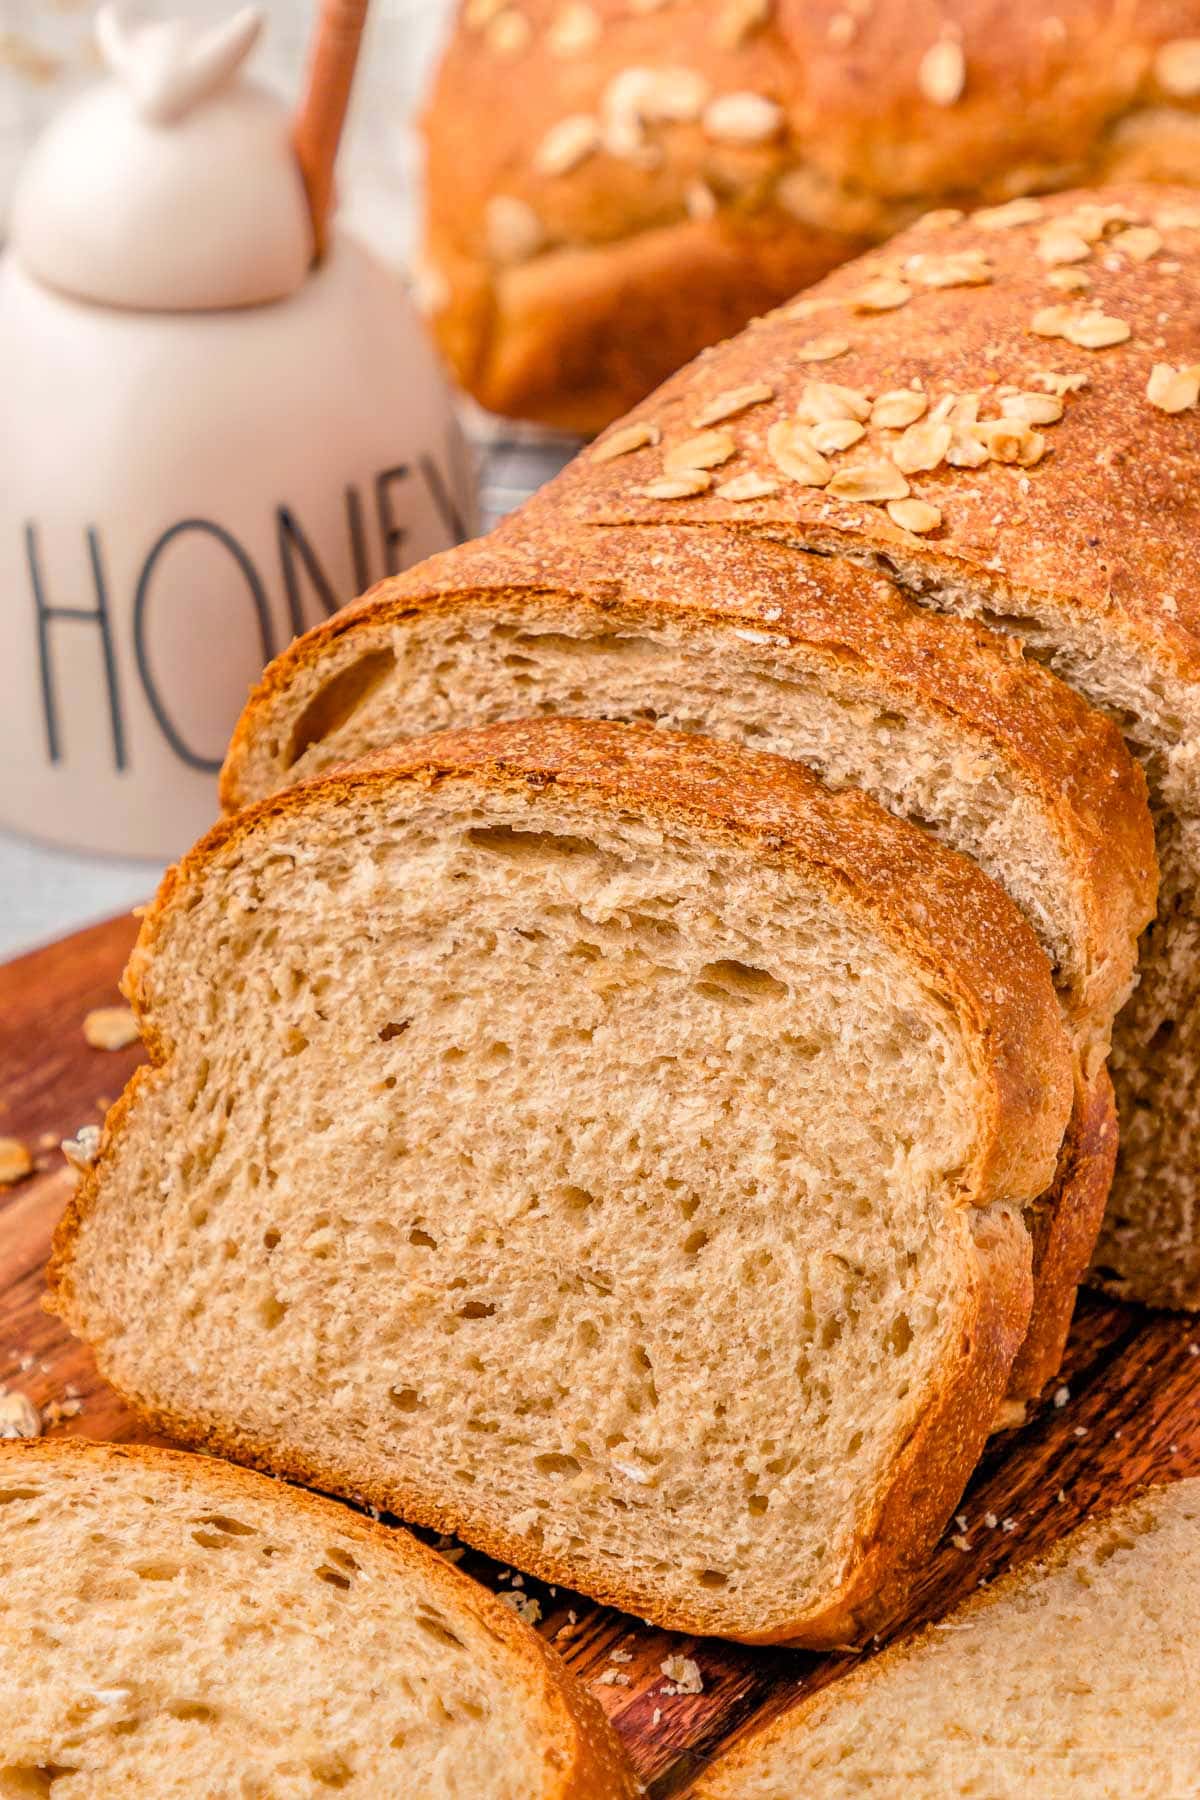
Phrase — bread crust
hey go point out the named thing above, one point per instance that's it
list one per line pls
(1064, 1224)
(622, 275)
(1100, 530)
(722, 1780)
(945, 918)
(590, 1763)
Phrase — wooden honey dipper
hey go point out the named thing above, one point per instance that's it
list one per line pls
(321, 113)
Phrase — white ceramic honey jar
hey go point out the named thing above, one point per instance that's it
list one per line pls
(208, 443)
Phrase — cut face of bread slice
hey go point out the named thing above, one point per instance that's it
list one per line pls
(1073, 1677)
(179, 1628)
(604, 1143)
(941, 721)
(1050, 474)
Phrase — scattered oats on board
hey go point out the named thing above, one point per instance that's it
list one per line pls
(19, 1417)
(110, 1028)
(524, 1605)
(82, 1150)
(684, 1675)
(15, 1161)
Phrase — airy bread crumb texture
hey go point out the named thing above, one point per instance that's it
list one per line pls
(174, 1627)
(1072, 1679)
(501, 1170)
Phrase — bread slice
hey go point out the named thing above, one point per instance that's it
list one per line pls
(941, 720)
(176, 1627)
(1075, 534)
(1072, 1678)
(596, 1141)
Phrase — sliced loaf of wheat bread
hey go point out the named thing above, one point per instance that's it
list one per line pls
(1045, 355)
(180, 1628)
(604, 1143)
(941, 720)
(1073, 1678)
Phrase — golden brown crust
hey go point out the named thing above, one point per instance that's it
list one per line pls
(1099, 530)
(619, 274)
(588, 1764)
(1063, 1225)
(825, 613)
(975, 953)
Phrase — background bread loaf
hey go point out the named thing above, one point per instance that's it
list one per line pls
(673, 170)
(596, 1141)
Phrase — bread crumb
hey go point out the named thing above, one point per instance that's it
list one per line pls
(620, 1656)
(656, 1716)
(82, 1150)
(1061, 1395)
(110, 1028)
(990, 1520)
(612, 1678)
(19, 1417)
(58, 1410)
(15, 1161)
(1081, 1431)
(960, 1542)
(684, 1673)
(524, 1605)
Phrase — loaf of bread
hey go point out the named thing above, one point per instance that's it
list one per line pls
(177, 1628)
(1072, 1678)
(1048, 489)
(652, 176)
(596, 1141)
(941, 720)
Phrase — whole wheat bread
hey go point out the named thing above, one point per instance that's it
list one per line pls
(1073, 1678)
(179, 1628)
(939, 719)
(1050, 483)
(597, 1141)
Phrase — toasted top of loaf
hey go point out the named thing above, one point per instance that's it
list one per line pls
(178, 1627)
(1088, 518)
(750, 119)
(761, 599)
(960, 928)
(597, 1141)
(1073, 1677)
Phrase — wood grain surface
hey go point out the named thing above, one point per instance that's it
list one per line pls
(1131, 1413)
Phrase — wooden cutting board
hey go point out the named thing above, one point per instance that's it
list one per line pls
(1132, 1413)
